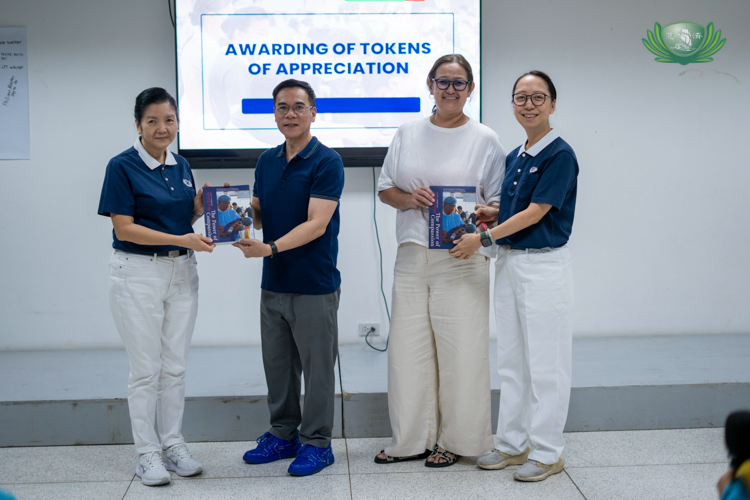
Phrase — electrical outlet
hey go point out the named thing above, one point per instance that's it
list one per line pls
(372, 328)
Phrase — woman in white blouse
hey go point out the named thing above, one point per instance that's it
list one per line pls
(438, 362)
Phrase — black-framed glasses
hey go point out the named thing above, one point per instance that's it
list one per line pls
(444, 83)
(537, 99)
(298, 109)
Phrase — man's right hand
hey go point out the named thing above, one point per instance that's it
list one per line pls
(253, 248)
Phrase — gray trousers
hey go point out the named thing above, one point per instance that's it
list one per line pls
(299, 334)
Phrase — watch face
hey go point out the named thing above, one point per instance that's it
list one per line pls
(486, 240)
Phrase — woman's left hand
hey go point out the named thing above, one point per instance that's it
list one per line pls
(198, 201)
(465, 246)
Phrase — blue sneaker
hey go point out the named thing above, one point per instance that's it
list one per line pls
(311, 459)
(270, 448)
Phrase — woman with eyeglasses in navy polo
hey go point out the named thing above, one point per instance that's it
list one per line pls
(533, 287)
(150, 195)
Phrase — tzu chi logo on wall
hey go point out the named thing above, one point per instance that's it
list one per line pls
(684, 43)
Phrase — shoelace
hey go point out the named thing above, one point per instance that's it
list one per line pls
(181, 451)
(154, 460)
(265, 437)
(306, 452)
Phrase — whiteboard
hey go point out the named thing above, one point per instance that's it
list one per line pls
(14, 95)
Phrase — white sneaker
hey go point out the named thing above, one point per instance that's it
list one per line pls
(151, 469)
(177, 458)
(496, 459)
(537, 471)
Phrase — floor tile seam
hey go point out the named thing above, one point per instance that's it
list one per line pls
(428, 470)
(348, 464)
(128, 488)
(480, 471)
(641, 465)
(575, 484)
(3, 484)
(185, 479)
(130, 480)
(286, 474)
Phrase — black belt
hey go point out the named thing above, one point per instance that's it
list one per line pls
(531, 250)
(172, 253)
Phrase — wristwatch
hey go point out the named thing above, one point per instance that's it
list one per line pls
(486, 239)
(274, 250)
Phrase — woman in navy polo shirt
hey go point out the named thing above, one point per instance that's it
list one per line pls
(149, 193)
(533, 287)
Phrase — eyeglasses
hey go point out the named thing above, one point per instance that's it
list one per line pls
(298, 109)
(536, 99)
(443, 84)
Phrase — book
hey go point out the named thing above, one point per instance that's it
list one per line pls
(450, 214)
(227, 213)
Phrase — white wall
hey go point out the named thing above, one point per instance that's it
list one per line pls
(661, 231)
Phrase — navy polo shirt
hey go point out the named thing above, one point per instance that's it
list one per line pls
(546, 173)
(284, 191)
(159, 197)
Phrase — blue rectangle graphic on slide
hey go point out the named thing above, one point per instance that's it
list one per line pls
(342, 105)
(368, 63)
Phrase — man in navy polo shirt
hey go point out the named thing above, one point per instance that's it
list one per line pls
(295, 201)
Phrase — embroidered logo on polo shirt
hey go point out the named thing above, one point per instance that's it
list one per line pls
(533, 170)
(187, 182)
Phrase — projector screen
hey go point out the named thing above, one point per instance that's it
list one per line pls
(367, 61)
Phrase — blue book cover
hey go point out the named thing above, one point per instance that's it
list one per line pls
(227, 213)
(450, 215)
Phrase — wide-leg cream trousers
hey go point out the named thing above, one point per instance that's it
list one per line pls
(438, 361)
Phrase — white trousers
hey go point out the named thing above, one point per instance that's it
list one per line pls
(438, 360)
(154, 303)
(533, 302)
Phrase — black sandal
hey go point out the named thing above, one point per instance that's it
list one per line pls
(392, 460)
(450, 458)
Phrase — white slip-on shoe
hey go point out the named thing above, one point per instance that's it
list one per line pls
(151, 469)
(496, 459)
(537, 471)
(177, 458)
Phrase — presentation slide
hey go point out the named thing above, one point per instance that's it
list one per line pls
(367, 61)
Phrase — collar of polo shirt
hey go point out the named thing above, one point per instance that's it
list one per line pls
(149, 160)
(539, 146)
(306, 152)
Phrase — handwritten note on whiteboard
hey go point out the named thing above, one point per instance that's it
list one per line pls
(14, 95)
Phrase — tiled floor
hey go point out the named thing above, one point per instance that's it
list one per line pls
(639, 465)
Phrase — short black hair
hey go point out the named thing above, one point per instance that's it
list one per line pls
(737, 437)
(543, 76)
(154, 95)
(292, 83)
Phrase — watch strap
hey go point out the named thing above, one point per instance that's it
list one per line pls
(274, 250)
(486, 238)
